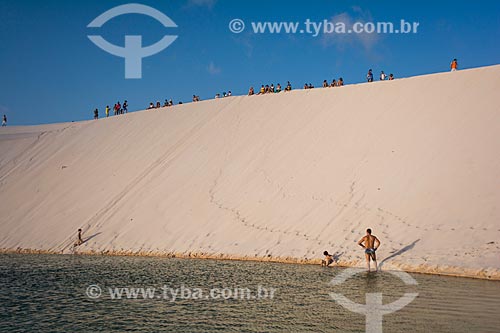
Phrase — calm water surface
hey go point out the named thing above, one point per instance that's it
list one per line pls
(48, 293)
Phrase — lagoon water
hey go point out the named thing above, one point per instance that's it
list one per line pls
(60, 293)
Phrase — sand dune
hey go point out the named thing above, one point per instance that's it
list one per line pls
(274, 177)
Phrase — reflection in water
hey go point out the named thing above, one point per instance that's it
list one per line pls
(48, 293)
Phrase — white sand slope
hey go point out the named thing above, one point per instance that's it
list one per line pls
(283, 176)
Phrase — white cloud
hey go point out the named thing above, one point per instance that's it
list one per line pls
(341, 40)
(212, 69)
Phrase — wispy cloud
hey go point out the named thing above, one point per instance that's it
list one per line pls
(245, 39)
(213, 69)
(341, 40)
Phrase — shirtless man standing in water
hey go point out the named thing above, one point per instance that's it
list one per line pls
(370, 243)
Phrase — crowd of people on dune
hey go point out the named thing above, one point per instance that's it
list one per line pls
(117, 109)
(264, 89)
(158, 104)
(383, 76)
(169, 102)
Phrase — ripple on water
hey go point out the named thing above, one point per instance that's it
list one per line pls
(47, 293)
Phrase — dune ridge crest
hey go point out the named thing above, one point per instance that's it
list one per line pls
(278, 177)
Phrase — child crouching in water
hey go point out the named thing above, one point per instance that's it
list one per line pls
(328, 259)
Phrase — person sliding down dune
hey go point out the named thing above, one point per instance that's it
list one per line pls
(79, 240)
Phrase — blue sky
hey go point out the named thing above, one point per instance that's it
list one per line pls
(51, 72)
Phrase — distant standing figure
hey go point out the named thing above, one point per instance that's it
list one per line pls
(80, 240)
(96, 114)
(328, 259)
(369, 76)
(454, 65)
(107, 111)
(4, 121)
(278, 88)
(325, 84)
(382, 76)
(370, 243)
(125, 106)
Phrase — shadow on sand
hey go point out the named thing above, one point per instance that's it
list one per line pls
(337, 256)
(399, 252)
(90, 237)
(86, 239)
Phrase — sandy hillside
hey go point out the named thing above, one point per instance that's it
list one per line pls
(282, 176)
